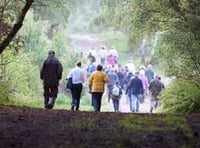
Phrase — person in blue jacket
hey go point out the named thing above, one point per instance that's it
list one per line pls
(135, 89)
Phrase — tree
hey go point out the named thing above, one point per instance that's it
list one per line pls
(178, 46)
(19, 70)
(11, 31)
(16, 26)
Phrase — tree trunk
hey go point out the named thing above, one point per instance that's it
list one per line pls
(16, 26)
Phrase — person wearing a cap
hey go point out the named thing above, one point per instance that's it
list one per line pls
(50, 73)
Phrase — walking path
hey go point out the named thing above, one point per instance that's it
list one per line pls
(124, 105)
(83, 43)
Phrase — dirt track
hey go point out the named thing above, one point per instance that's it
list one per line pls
(27, 127)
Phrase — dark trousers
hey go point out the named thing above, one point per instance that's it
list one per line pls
(116, 105)
(50, 92)
(103, 60)
(76, 95)
(96, 100)
(109, 92)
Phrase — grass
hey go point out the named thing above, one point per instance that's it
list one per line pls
(34, 103)
(81, 125)
(63, 101)
(87, 129)
(155, 124)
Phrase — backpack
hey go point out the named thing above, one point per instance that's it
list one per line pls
(116, 91)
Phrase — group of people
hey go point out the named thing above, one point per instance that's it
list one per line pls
(103, 78)
(137, 85)
(106, 57)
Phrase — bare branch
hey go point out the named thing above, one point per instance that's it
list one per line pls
(16, 26)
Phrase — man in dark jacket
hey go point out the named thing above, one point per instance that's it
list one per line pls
(135, 89)
(51, 73)
(155, 87)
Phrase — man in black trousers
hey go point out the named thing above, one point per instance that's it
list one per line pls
(51, 73)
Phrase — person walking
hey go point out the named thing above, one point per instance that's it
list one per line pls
(155, 87)
(97, 82)
(113, 78)
(78, 78)
(103, 55)
(116, 96)
(91, 58)
(111, 60)
(145, 85)
(50, 73)
(127, 79)
(149, 73)
(135, 89)
(91, 68)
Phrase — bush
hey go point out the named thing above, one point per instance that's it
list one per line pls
(6, 92)
(183, 96)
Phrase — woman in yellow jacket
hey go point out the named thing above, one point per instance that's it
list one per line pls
(97, 82)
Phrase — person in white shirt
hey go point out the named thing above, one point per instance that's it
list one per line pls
(131, 66)
(92, 51)
(113, 51)
(78, 78)
(103, 55)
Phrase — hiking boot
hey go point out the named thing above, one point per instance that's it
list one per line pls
(46, 106)
(72, 108)
(50, 106)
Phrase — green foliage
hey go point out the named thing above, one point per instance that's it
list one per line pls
(177, 21)
(5, 91)
(9, 11)
(181, 97)
(23, 76)
(20, 78)
(34, 38)
(22, 70)
(63, 102)
(57, 12)
(84, 125)
(24, 102)
(155, 124)
(184, 60)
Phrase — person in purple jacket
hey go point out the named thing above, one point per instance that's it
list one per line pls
(145, 85)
